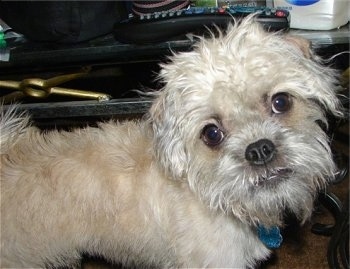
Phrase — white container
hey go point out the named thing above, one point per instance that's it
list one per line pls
(316, 14)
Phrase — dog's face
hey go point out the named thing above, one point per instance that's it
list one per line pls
(238, 119)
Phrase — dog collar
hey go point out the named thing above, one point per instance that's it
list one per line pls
(271, 237)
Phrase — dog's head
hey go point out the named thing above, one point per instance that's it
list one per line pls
(238, 119)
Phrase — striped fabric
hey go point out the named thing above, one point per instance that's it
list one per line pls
(143, 7)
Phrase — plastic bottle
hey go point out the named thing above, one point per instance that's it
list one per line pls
(316, 14)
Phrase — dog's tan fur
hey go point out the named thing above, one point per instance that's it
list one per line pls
(90, 188)
(152, 192)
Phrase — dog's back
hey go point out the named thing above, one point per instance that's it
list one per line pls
(12, 124)
(56, 187)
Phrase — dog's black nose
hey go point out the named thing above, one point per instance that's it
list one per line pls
(260, 152)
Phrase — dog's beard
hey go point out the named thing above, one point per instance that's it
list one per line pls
(262, 194)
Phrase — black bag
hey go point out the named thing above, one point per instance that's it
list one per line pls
(62, 21)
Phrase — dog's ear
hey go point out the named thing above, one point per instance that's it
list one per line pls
(325, 80)
(303, 44)
(168, 134)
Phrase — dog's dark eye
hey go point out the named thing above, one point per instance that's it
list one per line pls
(281, 102)
(212, 135)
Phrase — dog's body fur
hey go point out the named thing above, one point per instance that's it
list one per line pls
(155, 192)
(98, 195)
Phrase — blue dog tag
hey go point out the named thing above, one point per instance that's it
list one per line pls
(271, 237)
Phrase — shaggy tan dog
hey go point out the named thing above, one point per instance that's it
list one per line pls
(231, 142)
